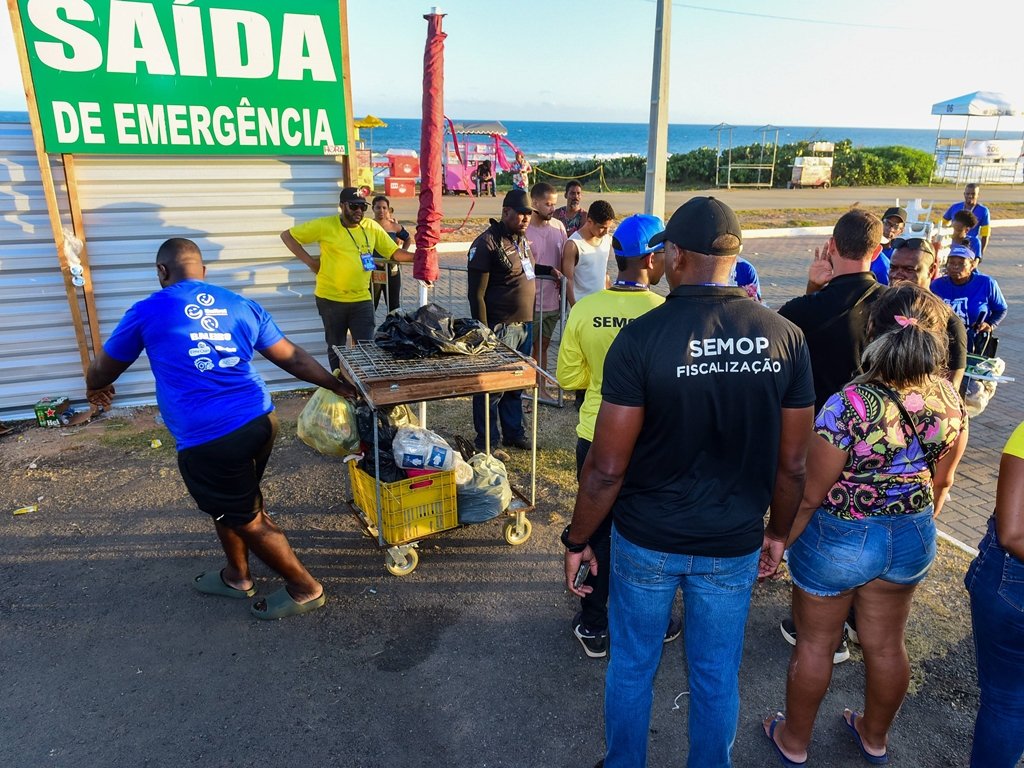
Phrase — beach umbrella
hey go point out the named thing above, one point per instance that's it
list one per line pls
(369, 123)
(428, 220)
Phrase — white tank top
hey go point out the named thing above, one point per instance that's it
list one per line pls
(592, 268)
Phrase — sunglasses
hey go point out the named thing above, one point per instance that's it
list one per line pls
(914, 244)
(356, 206)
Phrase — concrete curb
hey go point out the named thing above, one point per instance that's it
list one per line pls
(965, 548)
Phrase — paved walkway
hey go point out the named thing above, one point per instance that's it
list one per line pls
(782, 263)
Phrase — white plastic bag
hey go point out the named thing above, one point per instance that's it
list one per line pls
(489, 493)
(328, 424)
(463, 471)
(417, 448)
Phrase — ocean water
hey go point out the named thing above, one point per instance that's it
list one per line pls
(552, 140)
(548, 140)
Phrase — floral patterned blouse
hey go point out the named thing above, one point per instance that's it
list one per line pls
(886, 472)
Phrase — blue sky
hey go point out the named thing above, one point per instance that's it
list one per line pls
(870, 63)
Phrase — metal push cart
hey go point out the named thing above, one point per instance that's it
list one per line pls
(399, 514)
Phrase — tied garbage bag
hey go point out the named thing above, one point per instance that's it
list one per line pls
(463, 471)
(328, 424)
(487, 495)
(417, 448)
(388, 422)
(431, 331)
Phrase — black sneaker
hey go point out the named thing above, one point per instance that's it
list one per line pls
(595, 644)
(788, 628)
(675, 629)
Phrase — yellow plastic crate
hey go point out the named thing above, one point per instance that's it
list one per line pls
(409, 513)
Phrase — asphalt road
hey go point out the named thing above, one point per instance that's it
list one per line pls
(626, 203)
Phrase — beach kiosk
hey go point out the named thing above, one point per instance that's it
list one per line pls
(480, 141)
(961, 159)
(815, 169)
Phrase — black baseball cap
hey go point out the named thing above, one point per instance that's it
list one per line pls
(899, 213)
(518, 201)
(351, 195)
(698, 223)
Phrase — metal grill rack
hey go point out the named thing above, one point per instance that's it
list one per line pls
(370, 362)
(386, 380)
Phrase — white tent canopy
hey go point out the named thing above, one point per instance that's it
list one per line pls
(976, 104)
(965, 159)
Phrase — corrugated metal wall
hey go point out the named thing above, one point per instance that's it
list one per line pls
(234, 208)
(38, 348)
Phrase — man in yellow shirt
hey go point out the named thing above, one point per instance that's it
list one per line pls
(590, 329)
(348, 244)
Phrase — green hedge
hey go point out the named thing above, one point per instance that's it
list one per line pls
(853, 167)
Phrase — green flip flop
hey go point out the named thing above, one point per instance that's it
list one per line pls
(212, 583)
(280, 605)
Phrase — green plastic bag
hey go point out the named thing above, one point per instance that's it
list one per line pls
(328, 424)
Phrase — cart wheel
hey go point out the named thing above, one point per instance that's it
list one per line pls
(826, 184)
(412, 559)
(516, 536)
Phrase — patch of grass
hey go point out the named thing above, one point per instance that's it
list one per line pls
(124, 437)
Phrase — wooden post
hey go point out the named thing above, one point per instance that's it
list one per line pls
(78, 224)
(49, 188)
(350, 163)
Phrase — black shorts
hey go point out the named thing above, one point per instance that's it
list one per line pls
(223, 475)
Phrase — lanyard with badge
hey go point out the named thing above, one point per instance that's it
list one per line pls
(524, 259)
(366, 253)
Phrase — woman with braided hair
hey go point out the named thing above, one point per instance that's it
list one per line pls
(878, 472)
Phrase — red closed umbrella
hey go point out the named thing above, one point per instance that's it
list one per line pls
(428, 220)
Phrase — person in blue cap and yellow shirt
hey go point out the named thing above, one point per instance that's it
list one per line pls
(590, 329)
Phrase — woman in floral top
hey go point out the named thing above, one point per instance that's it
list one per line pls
(864, 535)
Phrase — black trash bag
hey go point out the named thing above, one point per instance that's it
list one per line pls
(471, 338)
(429, 331)
(388, 422)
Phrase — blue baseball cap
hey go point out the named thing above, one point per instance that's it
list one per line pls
(962, 251)
(633, 234)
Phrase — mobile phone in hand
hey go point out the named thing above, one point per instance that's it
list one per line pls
(581, 574)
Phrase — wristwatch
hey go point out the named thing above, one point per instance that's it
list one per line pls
(574, 548)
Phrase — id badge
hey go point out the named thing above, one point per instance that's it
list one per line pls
(368, 265)
(527, 267)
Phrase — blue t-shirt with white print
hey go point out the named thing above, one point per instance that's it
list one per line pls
(200, 340)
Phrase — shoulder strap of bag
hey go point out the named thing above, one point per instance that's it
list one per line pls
(910, 420)
(871, 290)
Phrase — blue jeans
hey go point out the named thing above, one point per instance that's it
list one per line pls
(995, 581)
(716, 598)
(506, 407)
(833, 555)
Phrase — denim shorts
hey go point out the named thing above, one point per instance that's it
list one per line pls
(834, 556)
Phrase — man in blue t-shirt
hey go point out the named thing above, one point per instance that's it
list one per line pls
(200, 341)
(980, 230)
(893, 221)
(975, 298)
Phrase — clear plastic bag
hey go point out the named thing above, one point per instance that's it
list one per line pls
(328, 424)
(488, 494)
(418, 448)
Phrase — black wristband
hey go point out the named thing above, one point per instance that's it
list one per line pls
(574, 548)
